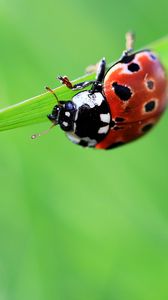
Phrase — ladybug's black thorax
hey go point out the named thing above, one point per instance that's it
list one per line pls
(92, 118)
(88, 122)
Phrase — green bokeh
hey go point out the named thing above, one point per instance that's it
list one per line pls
(75, 223)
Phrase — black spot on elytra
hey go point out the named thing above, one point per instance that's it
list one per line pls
(153, 56)
(147, 127)
(150, 84)
(115, 145)
(150, 106)
(133, 67)
(127, 58)
(123, 92)
(119, 119)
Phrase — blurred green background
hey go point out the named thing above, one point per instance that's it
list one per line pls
(76, 223)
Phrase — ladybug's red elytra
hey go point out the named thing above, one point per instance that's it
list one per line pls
(122, 104)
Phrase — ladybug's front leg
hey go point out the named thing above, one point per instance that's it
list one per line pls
(79, 86)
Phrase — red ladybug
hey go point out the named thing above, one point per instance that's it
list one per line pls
(122, 104)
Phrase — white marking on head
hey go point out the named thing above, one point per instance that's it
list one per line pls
(103, 129)
(65, 124)
(105, 118)
(67, 113)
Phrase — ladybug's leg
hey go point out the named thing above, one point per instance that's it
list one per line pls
(101, 70)
(95, 68)
(97, 85)
(92, 68)
(79, 86)
(130, 38)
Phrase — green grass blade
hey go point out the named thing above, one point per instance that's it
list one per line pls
(35, 110)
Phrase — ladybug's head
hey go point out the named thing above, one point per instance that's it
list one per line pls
(63, 115)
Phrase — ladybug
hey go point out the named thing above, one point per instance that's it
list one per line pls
(122, 104)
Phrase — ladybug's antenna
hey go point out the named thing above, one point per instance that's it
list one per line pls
(34, 136)
(52, 92)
